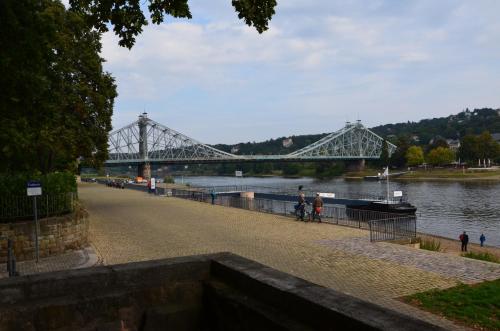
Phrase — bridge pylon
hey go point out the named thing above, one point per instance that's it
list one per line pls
(144, 168)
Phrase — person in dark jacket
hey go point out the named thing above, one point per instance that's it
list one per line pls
(464, 239)
(213, 195)
(317, 207)
(482, 239)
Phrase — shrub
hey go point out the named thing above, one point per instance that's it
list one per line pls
(482, 256)
(169, 180)
(55, 182)
(430, 245)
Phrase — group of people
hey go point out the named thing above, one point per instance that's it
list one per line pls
(317, 206)
(464, 239)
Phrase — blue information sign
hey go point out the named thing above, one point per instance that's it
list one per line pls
(34, 187)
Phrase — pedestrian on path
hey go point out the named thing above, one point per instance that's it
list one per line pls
(300, 207)
(317, 206)
(464, 239)
(213, 195)
(482, 239)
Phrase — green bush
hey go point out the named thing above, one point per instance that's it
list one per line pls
(169, 180)
(482, 256)
(52, 183)
(430, 245)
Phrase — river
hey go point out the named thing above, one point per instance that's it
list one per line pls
(443, 208)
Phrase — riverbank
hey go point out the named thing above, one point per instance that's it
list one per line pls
(453, 247)
(131, 226)
(454, 174)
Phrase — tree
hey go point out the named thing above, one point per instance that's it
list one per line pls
(468, 150)
(441, 156)
(128, 20)
(398, 158)
(414, 156)
(481, 147)
(487, 147)
(56, 101)
(384, 155)
(438, 143)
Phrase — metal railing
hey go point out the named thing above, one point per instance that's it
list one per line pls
(294, 192)
(394, 228)
(382, 225)
(21, 207)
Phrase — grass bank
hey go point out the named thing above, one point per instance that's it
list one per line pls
(476, 306)
(451, 174)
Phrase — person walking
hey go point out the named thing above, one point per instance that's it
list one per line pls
(464, 239)
(317, 206)
(482, 239)
(301, 207)
(213, 195)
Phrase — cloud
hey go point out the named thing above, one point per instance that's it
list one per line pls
(320, 63)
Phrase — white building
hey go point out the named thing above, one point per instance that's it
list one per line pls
(287, 142)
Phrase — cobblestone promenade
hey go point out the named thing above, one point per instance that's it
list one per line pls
(128, 225)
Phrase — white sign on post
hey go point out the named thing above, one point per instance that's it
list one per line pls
(153, 183)
(34, 188)
(398, 193)
(238, 173)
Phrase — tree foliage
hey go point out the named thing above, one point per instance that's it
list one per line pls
(440, 156)
(473, 148)
(128, 20)
(398, 158)
(384, 155)
(414, 156)
(56, 101)
(450, 127)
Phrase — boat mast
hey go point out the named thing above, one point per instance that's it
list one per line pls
(387, 179)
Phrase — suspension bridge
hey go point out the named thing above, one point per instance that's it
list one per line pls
(145, 141)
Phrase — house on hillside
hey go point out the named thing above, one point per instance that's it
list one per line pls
(235, 149)
(287, 142)
(453, 144)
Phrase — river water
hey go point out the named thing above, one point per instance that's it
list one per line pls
(443, 208)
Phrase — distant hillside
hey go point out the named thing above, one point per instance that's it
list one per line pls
(451, 127)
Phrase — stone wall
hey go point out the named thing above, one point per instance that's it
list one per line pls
(57, 235)
(206, 292)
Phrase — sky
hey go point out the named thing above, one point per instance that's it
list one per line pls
(320, 64)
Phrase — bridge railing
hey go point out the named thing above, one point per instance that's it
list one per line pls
(382, 225)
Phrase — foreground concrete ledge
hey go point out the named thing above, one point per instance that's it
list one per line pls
(310, 303)
(180, 293)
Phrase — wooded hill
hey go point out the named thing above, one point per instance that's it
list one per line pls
(420, 133)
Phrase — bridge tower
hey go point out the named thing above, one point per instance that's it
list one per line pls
(144, 169)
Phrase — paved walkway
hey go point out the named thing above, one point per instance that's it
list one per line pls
(128, 225)
(456, 267)
(76, 259)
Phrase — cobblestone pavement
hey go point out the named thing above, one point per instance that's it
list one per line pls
(127, 225)
(76, 259)
(456, 267)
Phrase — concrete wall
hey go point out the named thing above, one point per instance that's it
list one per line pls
(57, 235)
(207, 292)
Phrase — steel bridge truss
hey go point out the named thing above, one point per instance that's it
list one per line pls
(148, 141)
(354, 141)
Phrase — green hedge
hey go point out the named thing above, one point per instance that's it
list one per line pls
(53, 183)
